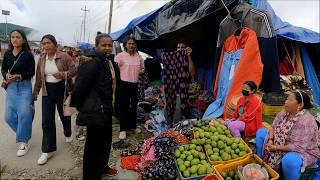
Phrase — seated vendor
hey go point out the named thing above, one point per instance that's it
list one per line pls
(247, 117)
(290, 145)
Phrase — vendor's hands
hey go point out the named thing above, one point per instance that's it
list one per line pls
(189, 51)
(58, 75)
(270, 146)
(273, 148)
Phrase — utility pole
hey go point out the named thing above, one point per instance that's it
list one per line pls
(6, 13)
(110, 18)
(85, 10)
(80, 31)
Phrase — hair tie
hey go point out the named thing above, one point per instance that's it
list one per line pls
(301, 96)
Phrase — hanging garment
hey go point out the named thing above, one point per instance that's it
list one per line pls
(311, 76)
(176, 81)
(143, 83)
(250, 67)
(205, 78)
(294, 57)
(259, 22)
(229, 65)
(286, 68)
(297, 55)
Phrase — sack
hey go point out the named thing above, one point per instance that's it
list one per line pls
(67, 110)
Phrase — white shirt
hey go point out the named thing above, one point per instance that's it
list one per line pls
(50, 69)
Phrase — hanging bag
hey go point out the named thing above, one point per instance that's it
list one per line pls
(67, 110)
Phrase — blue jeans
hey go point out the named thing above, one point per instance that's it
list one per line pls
(291, 162)
(228, 69)
(19, 109)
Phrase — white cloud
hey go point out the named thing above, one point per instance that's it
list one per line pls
(303, 13)
(63, 18)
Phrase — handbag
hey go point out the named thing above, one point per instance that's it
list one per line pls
(4, 83)
(67, 110)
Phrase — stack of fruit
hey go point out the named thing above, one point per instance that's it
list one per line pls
(231, 175)
(192, 161)
(204, 133)
(218, 142)
(223, 148)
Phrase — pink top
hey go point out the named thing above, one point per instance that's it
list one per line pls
(303, 137)
(130, 66)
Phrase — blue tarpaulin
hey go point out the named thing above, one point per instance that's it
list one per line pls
(85, 45)
(119, 35)
(311, 76)
(285, 29)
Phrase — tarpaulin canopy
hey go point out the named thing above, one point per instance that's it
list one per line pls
(119, 35)
(195, 22)
(285, 29)
(85, 45)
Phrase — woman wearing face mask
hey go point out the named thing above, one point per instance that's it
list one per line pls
(290, 144)
(248, 113)
(93, 97)
(52, 69)
(17, 70)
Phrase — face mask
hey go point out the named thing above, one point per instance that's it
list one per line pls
(245, 93)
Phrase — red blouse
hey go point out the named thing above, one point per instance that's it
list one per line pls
(249, 112)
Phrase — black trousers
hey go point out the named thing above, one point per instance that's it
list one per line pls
(49, 104)
(128, 102)
(96, 151)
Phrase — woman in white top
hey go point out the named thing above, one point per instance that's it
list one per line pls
(52, 69)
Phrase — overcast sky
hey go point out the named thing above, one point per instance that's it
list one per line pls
(63, 17)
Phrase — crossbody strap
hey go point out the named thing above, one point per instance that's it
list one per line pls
(15, 62)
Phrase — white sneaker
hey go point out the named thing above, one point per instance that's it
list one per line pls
(69, 139)
(81, 138)
(22, 149)
(137, 130)
(44, 158)
(122, 135)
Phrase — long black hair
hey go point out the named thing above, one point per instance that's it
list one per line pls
(125, 41)
(252, 85)
(25, 45)
(301, 96)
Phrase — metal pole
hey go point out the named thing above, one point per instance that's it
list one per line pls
(80, 30)
(84, 22)
(110, 16)
(6, 27)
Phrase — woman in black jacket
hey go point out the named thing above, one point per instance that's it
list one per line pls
(93, 96)
(17, 71)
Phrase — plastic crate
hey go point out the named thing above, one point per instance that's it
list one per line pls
(273, 175)
(189, 178)
(211, 177)
(214, 163)
(269, 110)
